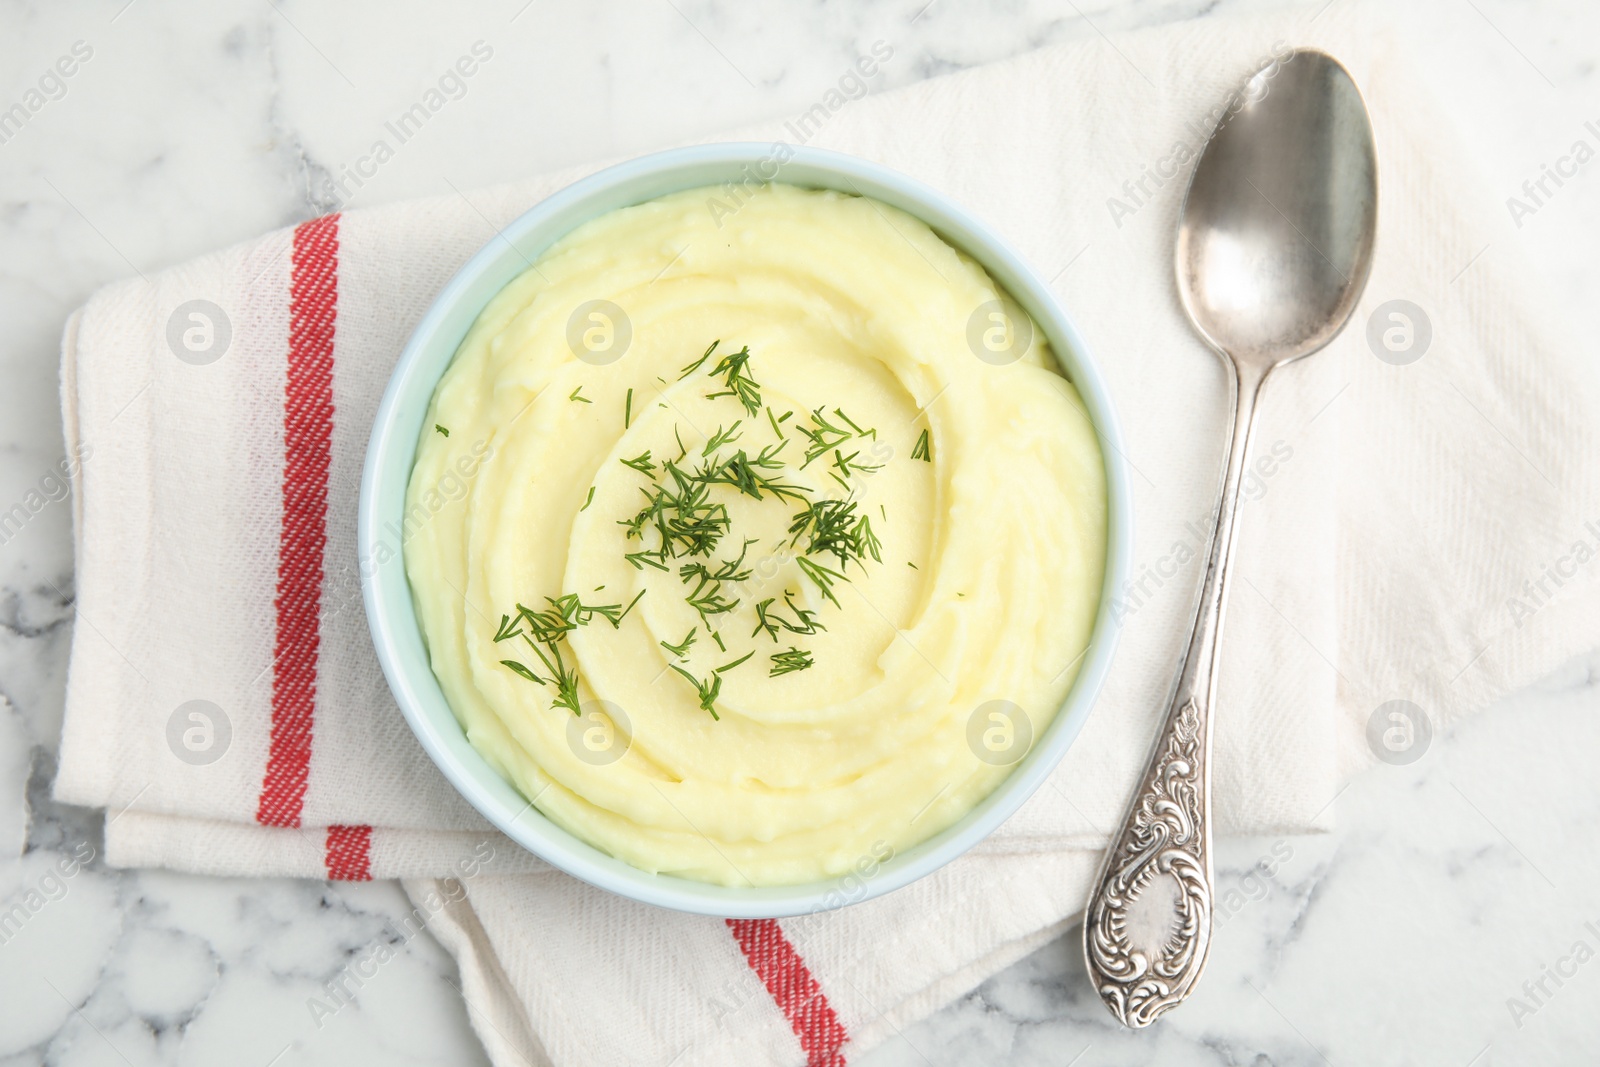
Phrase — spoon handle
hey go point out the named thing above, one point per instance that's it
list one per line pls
(1147, 927)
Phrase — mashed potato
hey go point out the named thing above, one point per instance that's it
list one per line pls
(787, 542)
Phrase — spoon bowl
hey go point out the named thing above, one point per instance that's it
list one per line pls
(1276, 234)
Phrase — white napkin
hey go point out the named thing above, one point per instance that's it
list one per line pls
(1381, 557)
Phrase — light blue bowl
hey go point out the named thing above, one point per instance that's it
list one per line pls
(392, 451)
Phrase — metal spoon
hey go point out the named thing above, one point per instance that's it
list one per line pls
(1275, 243)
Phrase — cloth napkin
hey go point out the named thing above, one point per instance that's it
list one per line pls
(1410, 533)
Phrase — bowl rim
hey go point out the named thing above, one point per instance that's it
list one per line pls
(396, 631)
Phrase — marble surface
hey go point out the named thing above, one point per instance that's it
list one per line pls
(1451, 919)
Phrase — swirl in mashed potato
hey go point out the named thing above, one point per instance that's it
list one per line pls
(863, 719)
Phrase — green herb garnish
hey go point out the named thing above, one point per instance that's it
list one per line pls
(681, 525)
(696, 365)
(707, 690)
(923, 449)
(745, 474)
(830, 526)
(721, 437)
(544, 634)
(730, 666)
(618, 622)
(847, 464)
(789, 662)
(734, 370)
(709, 602)
(681, 649)
(440, 429)
(851, 423)
(866, 541)
(640, 463)
(833, 527)
(564, 678)
(681, 514)
(826, 436)
(706, 597)
(577, 395)
(823, 577)
(520, 669)
(768, 619)
(823, 435)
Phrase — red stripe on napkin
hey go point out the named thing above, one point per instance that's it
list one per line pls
(796, 993)
(349, 853)
(307, 455)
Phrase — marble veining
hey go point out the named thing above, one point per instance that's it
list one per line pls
(1425, 930)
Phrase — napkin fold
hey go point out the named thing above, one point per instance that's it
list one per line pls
(1411, 533)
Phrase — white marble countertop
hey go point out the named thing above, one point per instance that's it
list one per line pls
(1450, 919)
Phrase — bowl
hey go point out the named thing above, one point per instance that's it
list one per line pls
(397, 635)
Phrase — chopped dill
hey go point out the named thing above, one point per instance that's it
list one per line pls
(722, 437)
(745, 474)
(768, 619)
(706, 597)
(681, 524)
(520, 669)
(681, 514)
(618, 622)
(867, 542)
(640, 463)
(823, 435)
(823, 577)
(851, 423)
(545, 632)
(789, 662)
(681, 649)
(847, 463)
(829, 526)
(826, 436)
(707, 690)
(697, 364)
(730, 666)
(734, 369)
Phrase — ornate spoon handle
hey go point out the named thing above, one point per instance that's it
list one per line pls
(1147, 927)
